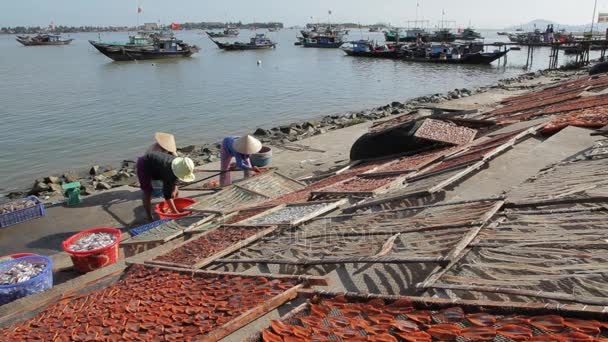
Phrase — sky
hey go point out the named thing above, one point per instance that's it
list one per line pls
(480, 13)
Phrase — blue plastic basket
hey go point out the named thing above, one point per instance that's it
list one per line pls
(23, 215)
(146, 227)
(41, 282)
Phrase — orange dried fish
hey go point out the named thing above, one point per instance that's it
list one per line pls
(450, 315)
(586, 327)
(405, 326)
(382, 319)
(575, 336)
(382, 338)
(482, 319)
(299, 331)
(418, 336)
(514, 320)
(515, 332)
(479, 333)
(420, 316)
(444, 332)
(550, 323)
(319, 310)
(546, 338)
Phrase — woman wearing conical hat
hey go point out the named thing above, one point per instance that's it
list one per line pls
(240, 149)
(162, 164)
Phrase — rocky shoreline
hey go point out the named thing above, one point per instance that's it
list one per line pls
(99, 178)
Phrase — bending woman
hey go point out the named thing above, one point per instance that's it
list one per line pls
(240, 149)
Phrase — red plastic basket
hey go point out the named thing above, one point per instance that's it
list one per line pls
(92, 260)
(180, 203)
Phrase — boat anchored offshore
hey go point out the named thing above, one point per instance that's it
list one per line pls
(43, 40)
(229, 32)
(469, 34)
(471, 53)
(257, 42)
(147, 46)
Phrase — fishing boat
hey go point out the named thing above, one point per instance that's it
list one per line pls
(257, 42)
(43, 40)
(406, 36)
(147, 46)
(442, 36)
(323, 41)
(366, 48)
(426, 53)
(502, 33)
(468, 34)
(229, 32)
(274, 29)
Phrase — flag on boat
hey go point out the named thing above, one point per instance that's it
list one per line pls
(176, 27)
(602, 18)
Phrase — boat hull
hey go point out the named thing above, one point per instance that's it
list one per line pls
(475, 59)
(242, 47)
(122, 54)
(323, 45)
(33, 43)
(221, 35)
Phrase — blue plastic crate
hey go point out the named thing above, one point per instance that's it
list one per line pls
(23, 215)
(41, 282)
(146, 227)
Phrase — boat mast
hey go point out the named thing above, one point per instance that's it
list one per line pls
(593, 19)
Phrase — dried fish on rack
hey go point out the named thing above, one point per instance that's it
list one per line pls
(20, 272)
(440, 131)
(92, 242)
(287, 214)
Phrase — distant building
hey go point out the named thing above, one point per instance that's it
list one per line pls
(150, 26)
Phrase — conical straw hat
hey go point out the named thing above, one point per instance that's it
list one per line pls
(183, 169)
(247, 145)
(166, 141)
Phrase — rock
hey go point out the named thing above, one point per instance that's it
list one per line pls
(70, 177)
(313, 124)
(55, 188)
(395, 104)
(122, 176)
(110, 173)
(103, 186)
(322, 130)
(39, 187)
(188, 149)
(287, 130)
(260, 132)
(16, 195)
(86, 189)
(99, 178)
(52, 180)
(395, 112)
(94, 170)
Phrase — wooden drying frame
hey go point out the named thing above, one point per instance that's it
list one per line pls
(210, 259)
(331, 205)
(243, 183)
(395, 184)
(469, 306)
(381, 257)
(224, 212)
(136, 246)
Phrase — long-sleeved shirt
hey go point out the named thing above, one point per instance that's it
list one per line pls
(242, 160)
(158, 166)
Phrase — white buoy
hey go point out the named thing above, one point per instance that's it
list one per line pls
(259, 62)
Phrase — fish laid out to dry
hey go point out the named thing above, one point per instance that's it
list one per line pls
(208, 245)
(287, 214)
(149, 304)
(376, 320)
(93, 241)
(20, 272)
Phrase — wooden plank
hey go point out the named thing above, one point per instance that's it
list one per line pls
(251, 315)
(311, 280)
(334, 261)
(526, 293)
(455, 178)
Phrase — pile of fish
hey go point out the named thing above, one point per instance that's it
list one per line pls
(92, 242)
(20, 272)
(10, 207)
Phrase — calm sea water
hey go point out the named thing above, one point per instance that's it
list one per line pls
(66, 108)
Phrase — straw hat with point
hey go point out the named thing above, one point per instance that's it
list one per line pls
(247, 145)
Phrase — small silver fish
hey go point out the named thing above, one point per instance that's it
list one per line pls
(93, 241)
(20, 272)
